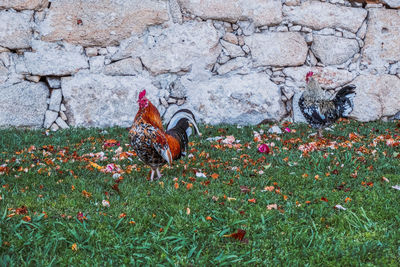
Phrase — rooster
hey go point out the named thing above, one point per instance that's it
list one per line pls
(154, 146)
(321, 110)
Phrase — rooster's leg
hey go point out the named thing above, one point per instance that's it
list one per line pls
(158, 173)
(320, 133)
(152, 175)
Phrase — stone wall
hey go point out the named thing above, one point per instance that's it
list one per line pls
(82, 62)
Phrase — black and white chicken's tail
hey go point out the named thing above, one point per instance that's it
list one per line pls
(180, 127)
(344, 100)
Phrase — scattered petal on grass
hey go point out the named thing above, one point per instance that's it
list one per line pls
(176, 185)
(347, 199)
(272, 207)
(340, 207)
(229, 140)
(189, 186)
(288, 130)
(253, 200)
(244, 189)
(187, 211)
(132, 222)
(200, 175)
(263, 148)
(26, 219)
(385, 179)
(231, 199)
(208, 218)
(74, 247)
(215, 175)
(397, 187)
(122, 215)
(105, 203)
(268, 188)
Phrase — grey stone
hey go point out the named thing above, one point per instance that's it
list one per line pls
(103, 51)
(362, 31)
(54, 82)
(392, 3)
(33, 78)
(63, 108)
(284, 49)
(331, 50)
(55, 100)
(175, 11)
(49, 118)
(96, 64)
(60, 122)
(55, 59)
(377, 96)
(63, 116)
(91, 51)
(100, 22)
(326, 31)
(179, 47)
(247, 27)
(296, 28)
(237, 99)
(95, 100)
(232, 50)
(23, 4)
(129, 66)
(318, 15)
(54, 127)
(233, 64)
(23, 104)
(231, 38)
(260, 11)
(382, 42)
(15, 29)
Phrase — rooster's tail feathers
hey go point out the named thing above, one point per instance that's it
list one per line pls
(180, 127)
(187, 116)
(344, 100)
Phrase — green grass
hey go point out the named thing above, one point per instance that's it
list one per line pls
(305, 230)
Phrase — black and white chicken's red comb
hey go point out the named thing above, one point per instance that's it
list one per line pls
(309, 75)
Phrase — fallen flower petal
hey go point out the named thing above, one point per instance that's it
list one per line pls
(272, 207)
(105, 203)
(253, 200)
(397, 187)
(263, 148)
(340, 207)
(74, 247)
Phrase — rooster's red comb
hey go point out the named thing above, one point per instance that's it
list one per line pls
(309, 74)
(142, 94)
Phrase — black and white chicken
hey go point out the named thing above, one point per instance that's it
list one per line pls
(320, 109)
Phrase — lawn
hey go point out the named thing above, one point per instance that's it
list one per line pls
(81, 197)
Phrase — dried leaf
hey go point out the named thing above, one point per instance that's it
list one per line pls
(244, 189)
(238, 235)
